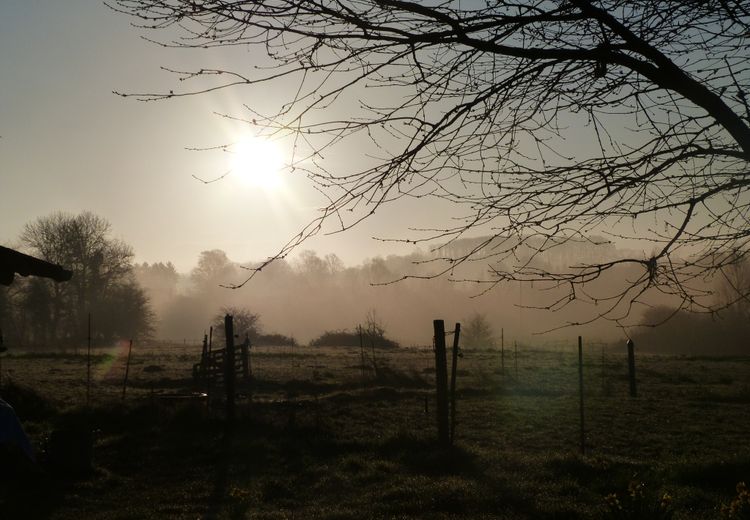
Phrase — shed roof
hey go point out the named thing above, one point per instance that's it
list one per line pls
(12, 262)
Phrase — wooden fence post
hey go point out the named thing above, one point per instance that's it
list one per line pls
(88, 363)
(205, 367)
(580, 391)
(441, 382)
(127, 370)
(456, 334)
(245, 353)
(502, 351)
(229, 366)
(361, 355)
(631, 368)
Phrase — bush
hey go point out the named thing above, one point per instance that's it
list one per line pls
(276, 340)
(245, 323)
(346, 338)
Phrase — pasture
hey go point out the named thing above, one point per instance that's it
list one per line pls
(320, 434)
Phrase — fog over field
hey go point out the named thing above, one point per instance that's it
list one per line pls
(314, 292)
(296, 300)
(333, 187)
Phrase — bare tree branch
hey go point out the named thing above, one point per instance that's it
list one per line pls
(546, 123)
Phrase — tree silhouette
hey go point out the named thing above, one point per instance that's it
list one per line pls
(213, 268)
(477, 332)
(544, 122)
(102, 283)
(734, 287)
(246, 323)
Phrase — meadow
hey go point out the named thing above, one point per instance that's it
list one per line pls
(320, 434)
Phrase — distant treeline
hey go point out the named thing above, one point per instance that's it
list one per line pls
(311, 294)
(318, 300)
(689, 333)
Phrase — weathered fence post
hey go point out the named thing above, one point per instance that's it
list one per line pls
(88, 363)
(199, 370)
(441, 382)
(127, 370)
(229, 366)
(247, 372)
(580, 391)
(631, 368)
(502, 351)
(207, 368)
(456, 335)
(361, 355)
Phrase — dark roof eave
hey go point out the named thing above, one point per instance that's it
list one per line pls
(12, 262)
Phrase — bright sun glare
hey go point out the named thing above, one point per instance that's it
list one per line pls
(257, 161)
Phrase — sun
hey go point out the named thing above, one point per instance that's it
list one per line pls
(257, 161)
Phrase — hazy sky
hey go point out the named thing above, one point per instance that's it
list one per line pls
(68, 143)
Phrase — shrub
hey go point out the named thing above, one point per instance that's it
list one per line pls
(346, 338)
(276, 340)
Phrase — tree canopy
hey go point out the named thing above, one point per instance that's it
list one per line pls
(544, 122)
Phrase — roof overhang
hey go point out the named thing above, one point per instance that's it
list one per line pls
(12, 262)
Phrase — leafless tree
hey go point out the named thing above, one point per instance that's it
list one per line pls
(102, 281)
(246, 324)
(477, 332)
(734, 285)
(544, 122)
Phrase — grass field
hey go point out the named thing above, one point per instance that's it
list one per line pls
(320, 435)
